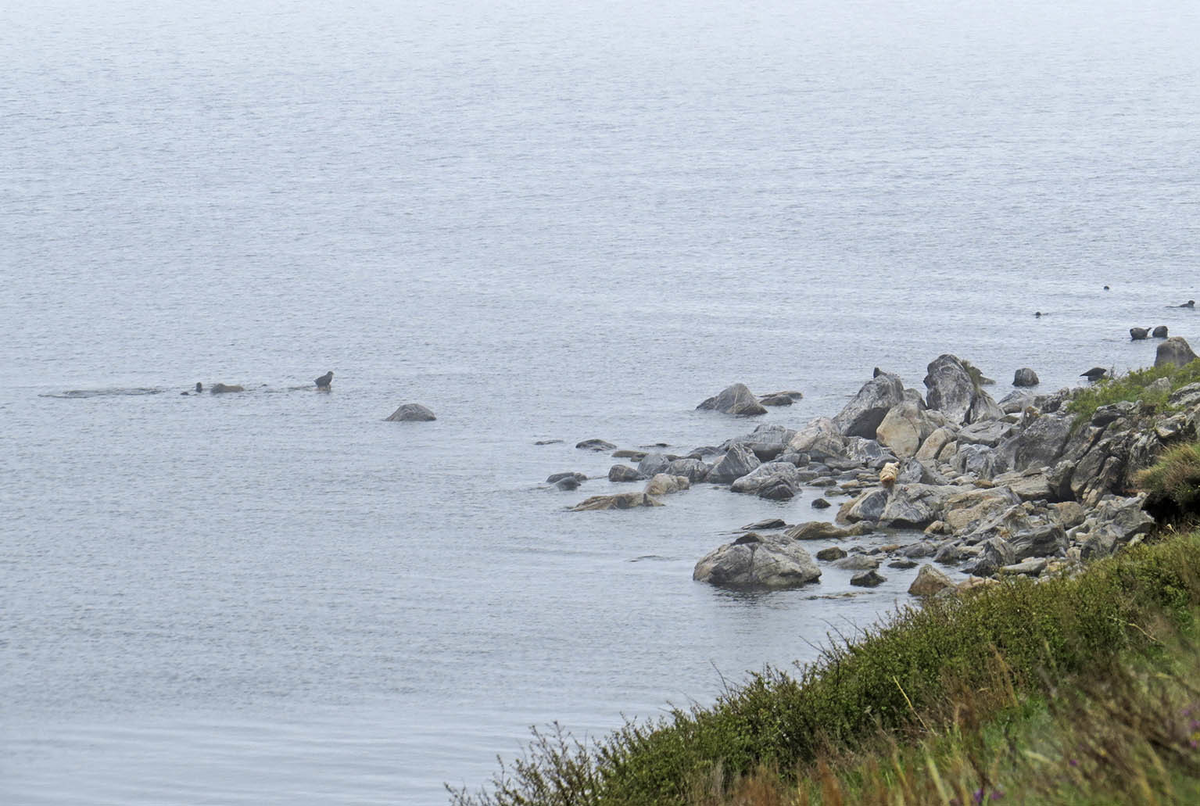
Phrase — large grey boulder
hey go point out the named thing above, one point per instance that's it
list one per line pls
(976, 460)
(819, 439)
(767, 441)
(652, 464)
(618, 501)
(737, 462)
(736, 399)
(1176, 351)
(411, 412)
(753, 562)
(913, 506)
(1048, 540)
(868, 506)
(954, 393)
(1038, 445)
(905, 427)
(863, 414)
(766, 475)
(1025, 377)
(694, 469)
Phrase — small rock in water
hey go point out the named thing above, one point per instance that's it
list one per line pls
(636, 456)
(867, 579)
(831, 553)
(821, 503)
(624, 473)
(768, 523)
(595, 445)
(221, 388)
(1025, 377)
(548, 442)
(557, 477)
(411, 412)
(902, 564)
(567, 483)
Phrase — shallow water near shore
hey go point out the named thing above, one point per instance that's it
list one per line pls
(544, 225)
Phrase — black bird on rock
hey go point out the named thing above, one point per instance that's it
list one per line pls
(1094, 374)
(325, 380)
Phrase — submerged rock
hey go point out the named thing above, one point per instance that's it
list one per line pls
(595, 445)
(618, 501)
(411, 412)
(223, 388)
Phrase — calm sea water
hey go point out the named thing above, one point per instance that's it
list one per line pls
(543, 223)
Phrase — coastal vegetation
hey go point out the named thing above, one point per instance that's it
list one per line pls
(1060, 689)
(1135, 386)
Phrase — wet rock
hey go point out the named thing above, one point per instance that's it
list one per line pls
(902, 564)
(868, 579)
(863, 414)
(618, 501)
(736, 399)
(595, 445)
(411, 412)
(776, 400)
(554, 478)
(820, 503)
(929, 582)
(636, 456)
(768, 523)
(1025, 377)
(759, 564)
(1174, 351)
(624, 473)
(923, 548)
(223, 388)
(830, 554)
(663, 484)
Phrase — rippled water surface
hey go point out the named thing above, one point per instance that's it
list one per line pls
(543, 223)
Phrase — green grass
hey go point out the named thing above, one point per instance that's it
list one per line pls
(995, 649)
(1173, 483)
(1132, 387)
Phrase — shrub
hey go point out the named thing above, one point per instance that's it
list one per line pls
(1132, 387)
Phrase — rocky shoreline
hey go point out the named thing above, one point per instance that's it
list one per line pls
(987, 488)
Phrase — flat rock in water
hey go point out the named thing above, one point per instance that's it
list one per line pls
(554, 478)
(769, 523)
(543, 441)
(411, 412)
(636, 456)
(618, 501)
(222, 388)
(820, 503)
(823, 530)
(857, 562)
(595, 445)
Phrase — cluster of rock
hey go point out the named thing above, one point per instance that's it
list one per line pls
(1015, 486)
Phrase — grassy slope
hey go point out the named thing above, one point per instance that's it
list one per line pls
(1007, 647)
